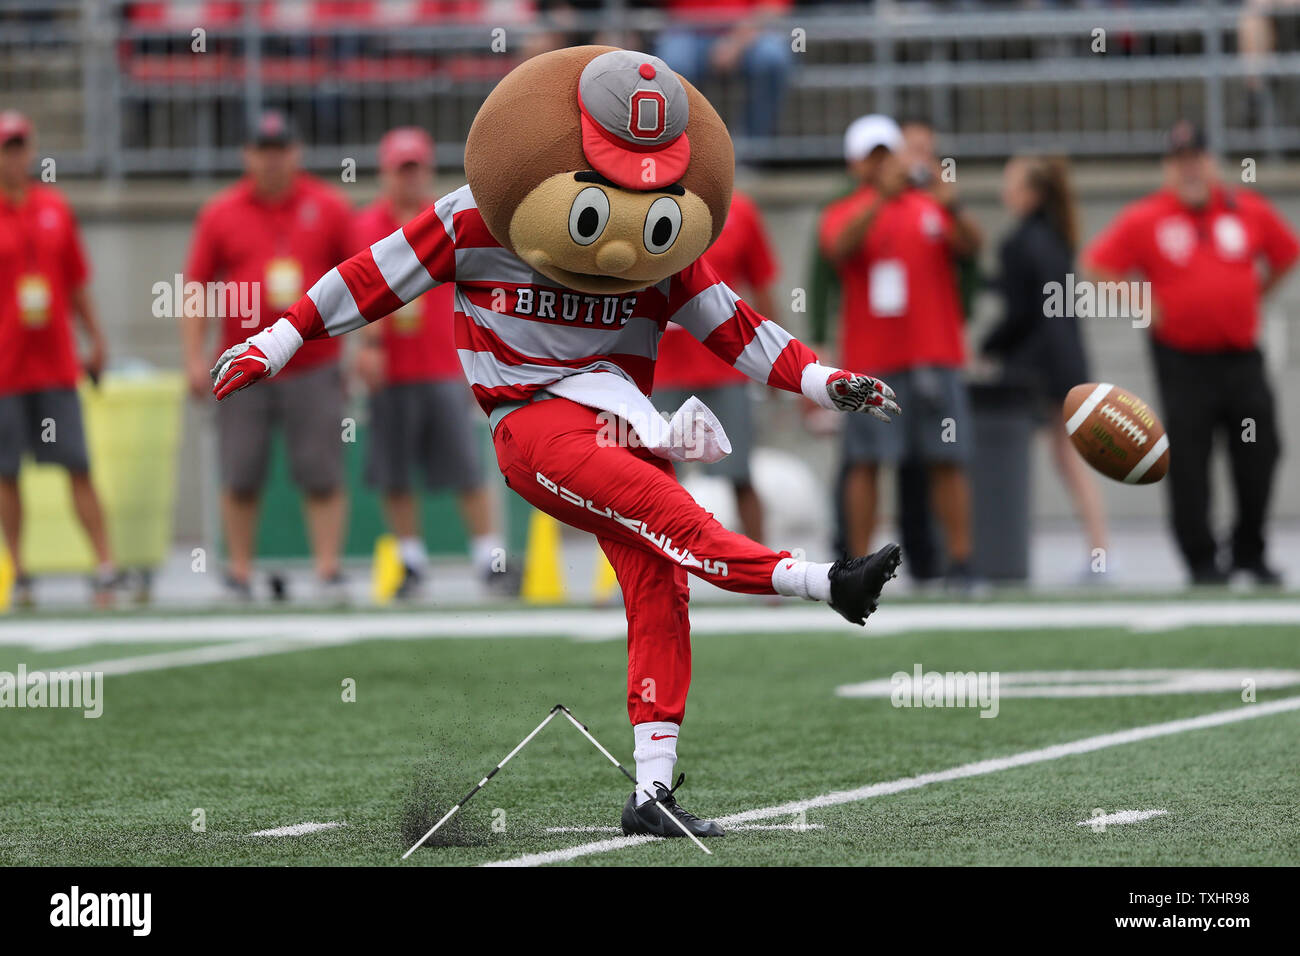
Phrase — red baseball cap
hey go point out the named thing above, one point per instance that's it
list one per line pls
(406, 144)
(14, 125)
(634, 115)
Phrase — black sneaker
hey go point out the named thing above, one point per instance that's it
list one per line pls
(1209, 575)
(412, 585)
(237, 589)
(856, 583)
(503, 584)
(649, 820)
(962, 581)
(1263, 575)
(104, 586)
(333, 590)
(24, 593)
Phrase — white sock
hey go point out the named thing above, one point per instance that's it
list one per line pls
(483, 549)
(655, 758)
(413, 553)
(803, 579)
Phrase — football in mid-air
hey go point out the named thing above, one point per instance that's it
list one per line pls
(1117, 433)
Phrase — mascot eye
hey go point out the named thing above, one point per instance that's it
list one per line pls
(588, 216)
(662, 224)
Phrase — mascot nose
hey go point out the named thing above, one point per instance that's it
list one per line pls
(615, 256)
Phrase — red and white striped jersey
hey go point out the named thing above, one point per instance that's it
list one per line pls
(518, 331)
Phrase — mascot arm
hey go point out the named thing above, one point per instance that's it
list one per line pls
(376, 282)
(379, 280)
(730, 328)
(766, 352)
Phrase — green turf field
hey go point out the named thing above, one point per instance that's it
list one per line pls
(269, 742)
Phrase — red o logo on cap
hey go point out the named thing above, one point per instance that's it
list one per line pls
(648, 114)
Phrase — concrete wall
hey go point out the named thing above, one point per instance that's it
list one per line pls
(139, 236)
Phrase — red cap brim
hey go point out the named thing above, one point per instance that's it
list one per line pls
(12, 128)
(630, 166)
(400, 156)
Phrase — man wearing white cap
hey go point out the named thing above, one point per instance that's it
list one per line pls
(893, 248)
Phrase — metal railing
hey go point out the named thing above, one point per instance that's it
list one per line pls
(119, 88)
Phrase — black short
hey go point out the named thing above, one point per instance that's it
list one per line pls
(47, 424)
(426, 427)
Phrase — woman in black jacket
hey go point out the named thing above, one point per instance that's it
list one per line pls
(1046, 352)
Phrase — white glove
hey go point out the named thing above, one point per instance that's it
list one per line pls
(261, 356)
(848, 392)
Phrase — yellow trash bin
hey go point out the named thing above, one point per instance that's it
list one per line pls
(132, 432)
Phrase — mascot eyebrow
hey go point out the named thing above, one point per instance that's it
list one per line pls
(591, 176)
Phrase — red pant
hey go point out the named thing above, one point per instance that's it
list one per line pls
(649, 527)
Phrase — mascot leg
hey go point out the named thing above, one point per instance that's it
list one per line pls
(558, 455)
(656, 594)
(554, 454)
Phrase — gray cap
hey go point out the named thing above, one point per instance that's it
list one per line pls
(634, 109)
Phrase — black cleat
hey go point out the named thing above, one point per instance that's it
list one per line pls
(647, 818)
(856, 583)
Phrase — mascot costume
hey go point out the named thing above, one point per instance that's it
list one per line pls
(597, 178)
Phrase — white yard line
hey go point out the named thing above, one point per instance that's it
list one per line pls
(1121, 816)
(796, 827)
(297, 829)
(609, 623)
(261, 635)
(208, 654)
(976, 769)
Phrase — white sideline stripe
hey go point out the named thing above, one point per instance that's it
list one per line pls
(1126, 682)
(297, 829)
(610, 624)
(1122, 816)
(1083, 411)
(208, 654)
(976, 769)
(1149, 459)
(796, 827)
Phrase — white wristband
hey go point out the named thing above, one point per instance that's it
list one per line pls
(278, 343)
(813, 384)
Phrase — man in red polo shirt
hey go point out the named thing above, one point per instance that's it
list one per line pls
(1200, 244)
(43, 279)
(742, 258)
(894, 249)
(272, 235)
(420, 409)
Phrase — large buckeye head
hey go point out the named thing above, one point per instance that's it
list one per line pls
(601, 168)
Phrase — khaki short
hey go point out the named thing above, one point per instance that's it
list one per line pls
(309, 406)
